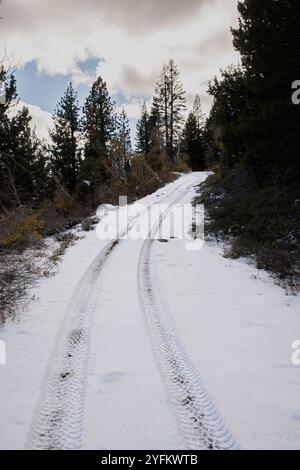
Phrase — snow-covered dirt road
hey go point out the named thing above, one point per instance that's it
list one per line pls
(134, 342)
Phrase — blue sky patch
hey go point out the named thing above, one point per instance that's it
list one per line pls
(43, 90)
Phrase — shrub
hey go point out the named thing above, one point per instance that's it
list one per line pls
(182, 167)
(20, 229)
(262, 222)
(17, 274)
(144, 179)
(66, 240)
(89, 223)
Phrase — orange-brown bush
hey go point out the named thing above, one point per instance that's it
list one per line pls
(20, 229)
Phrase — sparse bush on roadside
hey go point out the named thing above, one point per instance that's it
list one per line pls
(57, 254)
(20, 243)
(284, 266)
(262, 223)
(20, 229)
(68, 238)
(53, 220)
(68, 207)
(17, 274)
(89, 223)
(65, 240)
(21, 263)
(144, 179)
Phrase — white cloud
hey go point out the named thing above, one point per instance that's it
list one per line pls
(133, 107)
(133, 37)
(41, 120)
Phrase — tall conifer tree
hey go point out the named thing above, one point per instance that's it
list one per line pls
(65, 149)
(99, 121)
(192, 138)
(170, 101)
(143, 132)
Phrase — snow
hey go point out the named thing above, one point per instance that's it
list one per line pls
(126, 407)
(30, 341)
(237, 326)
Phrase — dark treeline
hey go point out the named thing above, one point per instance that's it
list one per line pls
(89, 158)
(91, 147)
(253, 141)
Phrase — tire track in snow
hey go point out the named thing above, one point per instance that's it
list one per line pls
(200, 423)
(58, 418)
(57, 423)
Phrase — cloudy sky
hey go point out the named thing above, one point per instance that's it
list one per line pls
(124, 41)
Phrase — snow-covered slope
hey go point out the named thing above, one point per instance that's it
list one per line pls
(86, 368)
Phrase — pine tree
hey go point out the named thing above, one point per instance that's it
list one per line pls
(9, 91)
(23, 163)
(143, 137)
(198, 113)
(255, 128)
(268, 40)
(192, 138)
(123, 133)
(23, 166)
(170, 99)
(65, 150)
(155, 128)
(99, 121)
(122, 144)
(231, 107)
